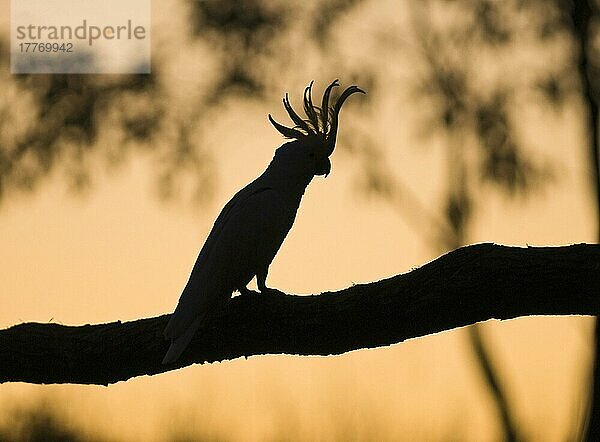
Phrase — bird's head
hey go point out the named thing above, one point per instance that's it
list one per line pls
(314, 136)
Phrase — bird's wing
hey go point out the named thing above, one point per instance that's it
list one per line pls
(202, 286)
(248, 244)
(235, 204)
(243, 241)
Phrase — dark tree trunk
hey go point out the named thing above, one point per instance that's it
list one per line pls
(582, 14)
(509, 429)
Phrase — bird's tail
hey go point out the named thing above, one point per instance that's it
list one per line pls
(181, 342)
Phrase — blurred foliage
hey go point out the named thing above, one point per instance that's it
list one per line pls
(327, 15)
(43, 421)
(65, 122)
(484, 113)
(67, 109)
(49, 120)
(243, 31)
(64, 125)
(40, 423)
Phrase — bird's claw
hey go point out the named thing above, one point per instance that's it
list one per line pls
(270, 291)
(246, 291)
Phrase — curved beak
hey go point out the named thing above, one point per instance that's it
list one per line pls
(323, 167)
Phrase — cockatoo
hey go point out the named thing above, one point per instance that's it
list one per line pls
(253, 224)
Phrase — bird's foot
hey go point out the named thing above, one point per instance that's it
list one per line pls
(270, 291)
(245, 291)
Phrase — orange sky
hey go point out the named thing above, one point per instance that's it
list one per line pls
(118, 253)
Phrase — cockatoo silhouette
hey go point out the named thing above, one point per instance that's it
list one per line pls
(253, 224)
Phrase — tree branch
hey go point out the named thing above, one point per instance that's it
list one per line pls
(470, 284)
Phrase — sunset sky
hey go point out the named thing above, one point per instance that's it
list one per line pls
(117, 252)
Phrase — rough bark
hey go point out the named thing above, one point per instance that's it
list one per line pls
(471, 284)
